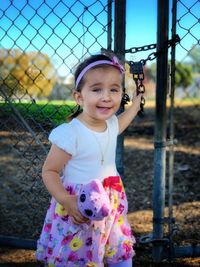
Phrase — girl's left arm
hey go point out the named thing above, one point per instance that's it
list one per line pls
(126, 117)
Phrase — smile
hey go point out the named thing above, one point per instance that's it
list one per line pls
(104, 109)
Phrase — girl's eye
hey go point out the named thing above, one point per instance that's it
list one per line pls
(115, 90)
(96, 90)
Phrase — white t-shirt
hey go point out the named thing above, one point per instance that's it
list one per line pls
(87, 148)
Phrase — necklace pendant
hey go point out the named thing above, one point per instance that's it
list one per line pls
(102, 161)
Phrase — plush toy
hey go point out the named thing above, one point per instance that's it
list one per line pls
(93, 201)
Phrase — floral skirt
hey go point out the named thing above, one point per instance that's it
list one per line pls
(64, 244)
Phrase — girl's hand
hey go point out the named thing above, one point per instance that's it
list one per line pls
(126, 117)
(72, 210)
(136, 101)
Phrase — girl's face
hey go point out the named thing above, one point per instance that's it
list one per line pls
(101, 94)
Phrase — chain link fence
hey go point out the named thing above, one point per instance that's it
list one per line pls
(41, 42)
(186, 125)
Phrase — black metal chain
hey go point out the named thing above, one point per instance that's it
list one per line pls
(136, 68)
(133, 50)
(175, 39)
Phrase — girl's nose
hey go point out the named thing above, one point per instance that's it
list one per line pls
(106, 95)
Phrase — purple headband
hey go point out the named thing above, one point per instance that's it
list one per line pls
(114, 62)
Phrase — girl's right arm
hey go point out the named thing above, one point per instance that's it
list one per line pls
(54, 163)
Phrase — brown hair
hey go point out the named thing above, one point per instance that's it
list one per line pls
(79, 69)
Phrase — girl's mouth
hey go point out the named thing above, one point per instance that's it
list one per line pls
(104, 109)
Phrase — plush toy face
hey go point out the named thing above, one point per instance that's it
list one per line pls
(93, 201)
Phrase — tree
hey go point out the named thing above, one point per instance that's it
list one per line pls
(183, 75)
(195, 57)
(26, 72)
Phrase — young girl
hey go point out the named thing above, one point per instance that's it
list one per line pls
(84, 150)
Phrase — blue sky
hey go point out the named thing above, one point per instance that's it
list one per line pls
(56, 27)
(142, 25)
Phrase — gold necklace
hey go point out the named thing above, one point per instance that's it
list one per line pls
(103, 153)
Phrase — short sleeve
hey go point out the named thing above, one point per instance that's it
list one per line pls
(64, 137)
(114, 124)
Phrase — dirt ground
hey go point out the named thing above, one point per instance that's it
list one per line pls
(138, 181)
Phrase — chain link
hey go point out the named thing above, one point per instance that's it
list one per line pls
(141, 48)
(152, 56)
(136, 68)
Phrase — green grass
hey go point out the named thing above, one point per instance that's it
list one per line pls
(55, 112)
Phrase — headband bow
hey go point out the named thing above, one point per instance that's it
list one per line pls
(116, 63)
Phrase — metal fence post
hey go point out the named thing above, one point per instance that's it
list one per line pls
(119, 48)
(160, 128)
(171, 130)
(109, 20)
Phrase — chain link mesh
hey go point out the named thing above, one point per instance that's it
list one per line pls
(187, 106)
(41, 44)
